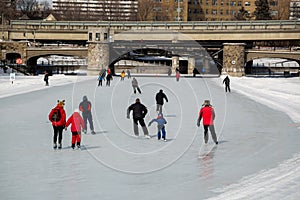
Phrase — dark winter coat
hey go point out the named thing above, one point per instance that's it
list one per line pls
(160, 96)
(226, 81)
(62, 121)
(85, 106)
(76, 121)
(138, 109)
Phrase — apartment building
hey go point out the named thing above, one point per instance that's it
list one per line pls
(106, 10)
(295, 10)
(215, 10)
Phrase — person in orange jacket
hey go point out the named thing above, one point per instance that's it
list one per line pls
(208, 115)
(57, 116)
(77, 124)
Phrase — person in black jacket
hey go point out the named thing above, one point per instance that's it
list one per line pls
(227, 83)
(139, 112)
(160, 96)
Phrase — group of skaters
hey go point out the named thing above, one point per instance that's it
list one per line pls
(105, 75)
(139, 111)
(78, 122)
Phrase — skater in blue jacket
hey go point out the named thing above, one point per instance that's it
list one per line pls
(160, 126)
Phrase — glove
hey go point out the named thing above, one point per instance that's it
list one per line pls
(198, 124)
(65, 128)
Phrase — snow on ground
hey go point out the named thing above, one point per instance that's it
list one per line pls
(278, 93)
(258, 156)
(23, 84)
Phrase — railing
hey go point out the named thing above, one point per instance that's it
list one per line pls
(140, 25)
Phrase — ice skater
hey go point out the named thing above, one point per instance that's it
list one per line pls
(208, 115)
(108, 79)
(128, 74)
(161, 131)
(139, 112)
(135, 86)
(160, 96)
(77, 124)
(227, 84)
(57, 116)
(123, 74)
(86, 108)
(46, 78)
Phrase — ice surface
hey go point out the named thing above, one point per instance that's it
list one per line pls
(258, 156)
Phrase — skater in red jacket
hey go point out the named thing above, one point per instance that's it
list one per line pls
(77, 124)
(57, 116)
(208, 115)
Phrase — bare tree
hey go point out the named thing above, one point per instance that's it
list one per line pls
(28, 7)
(145, 10)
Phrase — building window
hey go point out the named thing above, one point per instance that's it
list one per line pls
(214, 2)
(232, 3)
(232, 12)
(274, 13)
(90, 36)
(222, 3)
(214, 12)
(273, 3)
(239, 3)
(206, 11)
(247, 3)
(98, 36)
(221, 12)
(105, 36)
(207, 2)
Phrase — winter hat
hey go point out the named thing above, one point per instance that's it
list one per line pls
(206, 103)
(61, 103)
(84, 98)
(160, 115)
(160, 90)
(76, 110)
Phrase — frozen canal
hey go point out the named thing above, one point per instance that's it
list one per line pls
(257, 156)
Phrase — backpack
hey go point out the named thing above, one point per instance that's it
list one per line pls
(56, 115)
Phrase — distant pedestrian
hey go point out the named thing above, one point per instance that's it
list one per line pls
(128, 74)
(169, 71)
(161, 131)
(227, 84)
(208, 115)
(139, 112)
(46, 78)
(195, 71)
(77, 124)
(86, 108)
(160, 96)
(123, 74)
(100, 79)
(177, 76)
(108, 79)
(57, 116)
(135, 86)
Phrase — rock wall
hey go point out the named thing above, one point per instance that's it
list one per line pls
(233, 59)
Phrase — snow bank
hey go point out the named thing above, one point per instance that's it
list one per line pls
(282, 94)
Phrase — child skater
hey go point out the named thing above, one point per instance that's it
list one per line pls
(77, 124)
(160, 126)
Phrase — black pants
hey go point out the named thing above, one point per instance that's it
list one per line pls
(227, 88)
(140, 120)
(58, 130)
